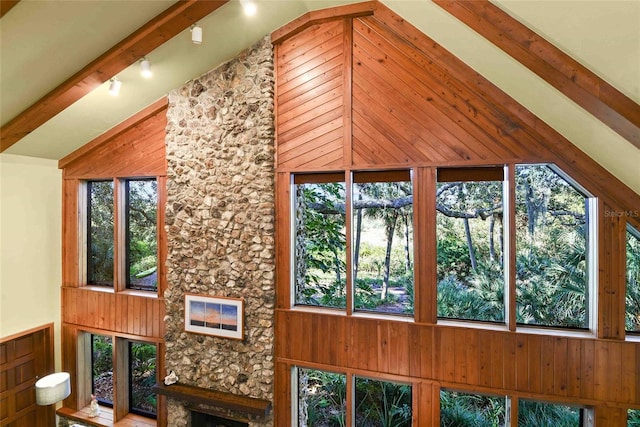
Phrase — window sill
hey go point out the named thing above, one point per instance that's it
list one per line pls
(105, 418)
(110, 290)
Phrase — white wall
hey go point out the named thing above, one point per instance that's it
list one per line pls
(30, 245)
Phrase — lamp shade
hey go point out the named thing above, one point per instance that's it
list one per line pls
(53, 388)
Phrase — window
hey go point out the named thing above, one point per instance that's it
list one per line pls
(101, 233)
(466, 409)
(632, 318)
(142, 377)
(126, 385)
(136, 219)
(470, 236)
(534, 414)
(320, 240)
(381, 229)
(102, 369)
(142, 244)
(553, 246)
(382, 403)
(322, 398)
(383, 242)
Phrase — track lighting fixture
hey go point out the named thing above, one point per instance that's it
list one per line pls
(196, 34)
(249, 7)
(114, 86)
(145, 68)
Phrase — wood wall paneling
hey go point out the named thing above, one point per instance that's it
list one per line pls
(310, 98)
(413, 104)
(24, 358)
(133, 149)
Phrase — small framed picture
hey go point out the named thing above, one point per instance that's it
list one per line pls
(217, 316)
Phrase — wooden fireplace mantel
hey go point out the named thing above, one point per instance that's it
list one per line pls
(234, 402)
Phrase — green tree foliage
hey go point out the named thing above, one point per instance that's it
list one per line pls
(101, 233)
(143, 377)
(551, 248)
(142, 239)
(535, 414)
(471, 410)
(322, 398)
(102, 368)
(320, 245)
(141, 242)
(632, 318)
(382, 403)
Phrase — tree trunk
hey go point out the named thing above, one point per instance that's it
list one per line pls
(300, 249)
(356, 249)
(472, 253)
(492, 245)
(391, 228)
(407, 250)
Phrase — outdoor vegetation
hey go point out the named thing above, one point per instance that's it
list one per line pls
(551, 278)
(477, 410)
(142, 374)
(322, 401)
(141, 237)
(551, 248)
(632, 319)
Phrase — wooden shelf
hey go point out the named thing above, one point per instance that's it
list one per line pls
(234, 402)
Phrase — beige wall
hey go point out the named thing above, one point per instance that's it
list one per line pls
(602, 144)
(30, 239)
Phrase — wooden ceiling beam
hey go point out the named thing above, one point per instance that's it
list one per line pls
(6, 5)
(575, 81)
(154, 33)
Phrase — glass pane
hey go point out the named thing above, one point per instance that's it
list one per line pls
(633, 418)
(462, 409)
(100, 233)
(320, 242)
(382, 403)
(322, 398)
(383, 246)
(632, 319)
(551, 250)
(536, 414)
(142, 358)
(469, 231)
(142, 242)
(102, 372)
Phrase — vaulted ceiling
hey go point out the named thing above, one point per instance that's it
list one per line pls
(44, 43)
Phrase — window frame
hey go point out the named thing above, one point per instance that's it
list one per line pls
(507, 172)
(591, 259)
(121, 365)
(633, 335)
(350, 392)
(121, 234)
(130, 344)
(482, 174)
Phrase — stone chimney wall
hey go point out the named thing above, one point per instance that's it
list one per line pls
(220, 225)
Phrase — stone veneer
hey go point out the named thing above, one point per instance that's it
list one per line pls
(220, 225)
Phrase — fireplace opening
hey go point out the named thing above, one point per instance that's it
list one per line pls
(200, 419)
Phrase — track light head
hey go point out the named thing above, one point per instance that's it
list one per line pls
(114, 86)
(196, 34)
(145, 68)
(249, 7)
